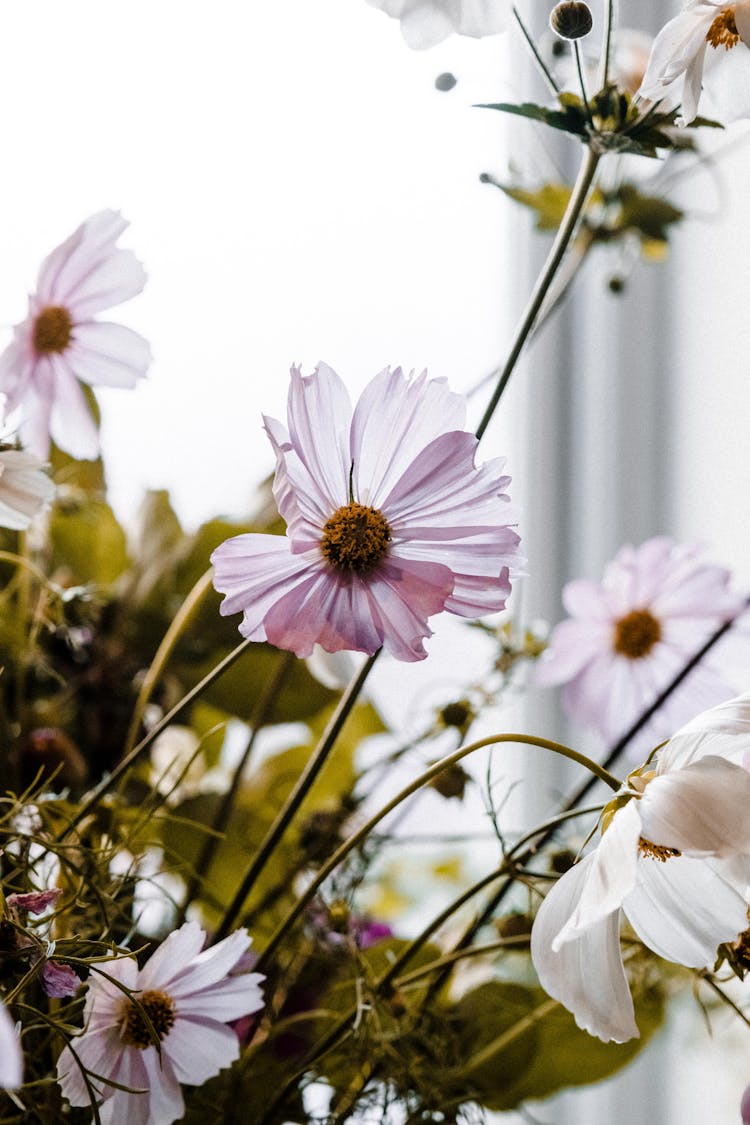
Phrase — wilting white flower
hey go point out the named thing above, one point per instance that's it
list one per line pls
(11, 1059)
(190, 997)
(24, 488)
(427, 22)
(674, 856)
(702, 50)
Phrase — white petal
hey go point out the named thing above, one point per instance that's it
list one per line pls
(701, 809)
(198, 1049)
(165, 1101)
(586, 974)
(211, 965)
(723, 731)
(72, 424)
(610, 874)
(319, 416)
(173, 956)
(11, 1059)
(684, 908)
(108, 354)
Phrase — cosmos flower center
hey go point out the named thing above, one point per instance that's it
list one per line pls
(355, 539)
(636, 634)
(723, 31)
(656, 851)
(53, 329)
(159, 1007)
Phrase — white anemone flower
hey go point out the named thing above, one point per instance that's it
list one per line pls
(702, 51)
(424, 23)
(11, 1059)
(25, 489)
(674, 856)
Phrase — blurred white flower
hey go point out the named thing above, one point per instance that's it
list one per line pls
(427, 22)
(11, 1059)
(25, 489)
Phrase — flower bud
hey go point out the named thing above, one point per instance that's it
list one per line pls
(571, 19)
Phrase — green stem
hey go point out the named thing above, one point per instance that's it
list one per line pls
(177, 627)
(564, 234)
(221, 820)
(607, 50)
(302, 787)
(501, 945)
(537, 57)
(407, 791)
(502, 1041)
(581, 80)
(137, 752)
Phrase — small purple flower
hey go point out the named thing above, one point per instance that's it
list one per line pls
(745, 1107)
(389, 521)
(368, 933)
(34, 902)
(60, 980)
(629, 635)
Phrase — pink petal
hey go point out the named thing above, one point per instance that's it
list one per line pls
(319, 414)
(87, 273)
(165, 1101)
(72, 424)
(210, 966)
(583, 598)
(102, 353)
(199, 1049)
(229, 999)
(173, 956)
(325, 608)
(572, 646)
(404, 594)
(397, 416)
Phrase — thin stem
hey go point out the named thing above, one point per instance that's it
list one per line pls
(537, 57)
(499, 946)
(564, 234)
(413, 786)
(21, 621)
(177, 627)
(518, 1028)
(296, 797)
(581, 80)
(221, 820)
(607, 49)
(130, 759)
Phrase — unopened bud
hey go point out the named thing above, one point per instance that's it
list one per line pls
(571, 19)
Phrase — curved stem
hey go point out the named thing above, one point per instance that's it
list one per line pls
(130, 759)
(296, 797)
(548, 76)
(564, 234)
(407, 791)
(221, 820)
(178, 625)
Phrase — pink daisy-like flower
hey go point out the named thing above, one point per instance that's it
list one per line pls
(389, 520)
(61, 342)
(189, 997)
(628, 636)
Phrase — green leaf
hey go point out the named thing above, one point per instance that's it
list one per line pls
(87, 542)
(539, 1047)
(571, 119)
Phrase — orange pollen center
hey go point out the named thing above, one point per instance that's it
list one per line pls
(355, 539)
(53, 330)
(134, 1026)
(636, 634)
(723, 31)
(656, 851)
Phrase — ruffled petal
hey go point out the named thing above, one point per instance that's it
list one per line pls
(210, 966)
(230, 999)
(397, 417)
(586, 974)
(325, 608)
(700, 809)
(106, 354)
(610, 875)
(403, 595)
(319, 418)
(685, 908)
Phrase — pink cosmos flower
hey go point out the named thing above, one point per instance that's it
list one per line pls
(61, 342)
(628, 636)
(189, 997)
(11, 1059)
(427, 22)
(389, 521)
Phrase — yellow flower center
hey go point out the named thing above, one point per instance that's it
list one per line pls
(159, 1007)
(53, 329)
(723, 31)
(656, 851)
(355, 539)
(636, 634)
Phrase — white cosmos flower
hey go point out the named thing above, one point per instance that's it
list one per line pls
(11, 1059)
(675, 858)
(424, 23)
(703, 49)
(24, 488)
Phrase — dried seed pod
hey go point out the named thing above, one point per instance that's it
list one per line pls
(571, 19)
